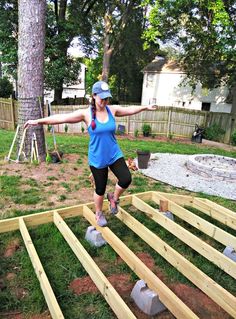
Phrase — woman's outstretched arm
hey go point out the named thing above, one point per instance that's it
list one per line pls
(74, 117)
(130, 110)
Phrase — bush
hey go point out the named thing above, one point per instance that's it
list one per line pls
(6, 88)
(214, 133)
(146, 128)
(233, 138)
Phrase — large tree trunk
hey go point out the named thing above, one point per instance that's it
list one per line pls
(233, 92)
(30, 69)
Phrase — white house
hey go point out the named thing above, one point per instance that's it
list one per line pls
(162, 85)
(71, 91)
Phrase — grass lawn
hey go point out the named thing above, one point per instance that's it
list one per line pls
(28, 188)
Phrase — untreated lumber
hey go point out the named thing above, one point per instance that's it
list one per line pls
(217, 293)
(107, 290)
(167, 297)
(222, 214)
(209, 229)
(40, 273)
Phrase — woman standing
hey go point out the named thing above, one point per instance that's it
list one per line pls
(104, 152)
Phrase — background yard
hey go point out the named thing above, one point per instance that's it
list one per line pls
(31, 188)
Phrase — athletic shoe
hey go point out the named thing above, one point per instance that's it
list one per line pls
(113, 203)
(101, 219)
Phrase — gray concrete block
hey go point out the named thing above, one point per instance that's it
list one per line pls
(169, 215)
(146, 299)
(94, 237)
(230, 252)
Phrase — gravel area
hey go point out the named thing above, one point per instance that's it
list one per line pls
(171, 169)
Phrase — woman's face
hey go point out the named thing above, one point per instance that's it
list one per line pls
(100, 102)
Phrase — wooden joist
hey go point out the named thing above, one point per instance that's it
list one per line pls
(112, 297)
(167, 297)
(209, 229)
(40, 273)
(174, 204)
(221, 296)
(220, 260)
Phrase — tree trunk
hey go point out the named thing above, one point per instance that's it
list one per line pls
(108, 50)
(233, 92)
(30, 69)
(58, 94)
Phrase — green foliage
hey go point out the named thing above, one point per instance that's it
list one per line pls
(147, 129)
(214, 133)
(233, 138)
(6, 88)
(205, 33)
(136, 133)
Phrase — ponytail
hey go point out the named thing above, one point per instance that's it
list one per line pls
(93, 124)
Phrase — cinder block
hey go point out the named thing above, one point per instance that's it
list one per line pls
(94, 237)
(230, 252)
(146, 299)
(169, 215)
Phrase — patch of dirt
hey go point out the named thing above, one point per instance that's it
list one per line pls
(11, 248)
(121, 282)
(19, 315)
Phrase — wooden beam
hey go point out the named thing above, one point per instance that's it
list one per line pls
(221, 296)
(50, 298)
(220, 260)
(178, 199)
(110, 294)
(216, 211)
(12, 224)
(167, 297)
(211, 230)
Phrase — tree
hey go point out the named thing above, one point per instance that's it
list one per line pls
(205, 33)
(128, 62)
(30, 68)
(8, 36)
(6, 88)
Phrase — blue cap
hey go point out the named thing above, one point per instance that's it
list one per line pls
(101, 88)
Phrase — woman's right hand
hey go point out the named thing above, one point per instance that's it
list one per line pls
(30, 123)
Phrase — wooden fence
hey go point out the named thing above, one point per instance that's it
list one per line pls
(167, 121)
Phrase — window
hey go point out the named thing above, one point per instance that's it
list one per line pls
(150, 80)
(206, 106)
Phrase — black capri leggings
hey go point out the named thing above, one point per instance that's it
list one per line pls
(119, 169)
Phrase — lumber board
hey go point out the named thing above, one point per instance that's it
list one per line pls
(167, 297)
(107, 290)
(222, 214)
(217, 293)
(209, 229)
(11, 224)
(179, 199)
(40, 273)
(220, 260)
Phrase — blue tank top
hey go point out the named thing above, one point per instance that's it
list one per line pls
(103, 148)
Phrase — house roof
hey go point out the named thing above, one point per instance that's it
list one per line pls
(163, 65)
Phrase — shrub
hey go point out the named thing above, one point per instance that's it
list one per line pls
(214, 133)
(146, 128)
(233, 138)
(6, 88)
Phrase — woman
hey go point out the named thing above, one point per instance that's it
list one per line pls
(104, 152)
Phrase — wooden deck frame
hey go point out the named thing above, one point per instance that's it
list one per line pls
(217, 293)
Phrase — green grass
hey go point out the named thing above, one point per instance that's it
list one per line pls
(60, 263)
(78, 144)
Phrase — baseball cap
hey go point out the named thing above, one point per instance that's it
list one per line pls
(101, 88)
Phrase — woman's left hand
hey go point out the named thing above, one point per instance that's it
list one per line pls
(152, 107)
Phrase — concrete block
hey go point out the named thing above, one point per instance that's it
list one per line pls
(169, 215)
(146, 299)
(94, 237)
(230, 252)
